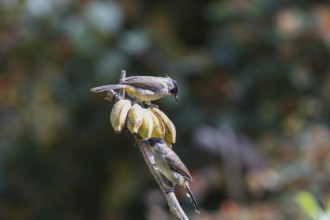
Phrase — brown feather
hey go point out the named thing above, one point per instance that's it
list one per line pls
(146, 82)
(176, 164)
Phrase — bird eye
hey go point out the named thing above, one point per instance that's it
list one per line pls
(174, 91)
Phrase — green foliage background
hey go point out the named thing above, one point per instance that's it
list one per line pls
(258, 69)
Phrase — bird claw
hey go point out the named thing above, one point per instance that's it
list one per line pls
(153, 106)
(135, 101)
(170, 189)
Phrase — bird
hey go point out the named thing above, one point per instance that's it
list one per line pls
(170, 165)
(144, 88)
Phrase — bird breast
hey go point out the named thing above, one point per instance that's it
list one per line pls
(171, 175)
(146, 95)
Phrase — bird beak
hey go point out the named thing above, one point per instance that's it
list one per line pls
(176, 98)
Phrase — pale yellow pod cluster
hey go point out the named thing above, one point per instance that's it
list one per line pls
(158, 129)
(147, 126)
(119, 113)
(170, 131)
(150, 122)
(134, 118)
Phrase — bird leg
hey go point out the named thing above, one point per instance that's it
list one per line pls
(151, 105)
(169, 185)
(170, 189)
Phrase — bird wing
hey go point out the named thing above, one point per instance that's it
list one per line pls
(152, 83)
(176, 164)
(110, 87)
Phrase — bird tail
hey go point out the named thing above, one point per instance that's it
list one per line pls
(109, 87)
(192, 198)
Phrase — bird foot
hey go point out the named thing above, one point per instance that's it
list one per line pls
(153, 106)
(170, 189)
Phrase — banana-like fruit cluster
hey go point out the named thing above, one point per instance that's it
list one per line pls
(147, 122)
(119, 114)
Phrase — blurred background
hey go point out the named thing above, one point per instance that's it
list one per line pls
(252, 118)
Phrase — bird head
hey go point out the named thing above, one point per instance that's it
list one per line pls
(155, 140)
(173, 89)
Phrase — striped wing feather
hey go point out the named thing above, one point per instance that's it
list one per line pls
(176, 164)
(145, 82)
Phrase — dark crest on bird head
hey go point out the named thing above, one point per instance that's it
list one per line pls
(175, 90)
(154, 140)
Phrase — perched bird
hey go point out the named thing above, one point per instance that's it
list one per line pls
(144, 88)
(170, 165)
